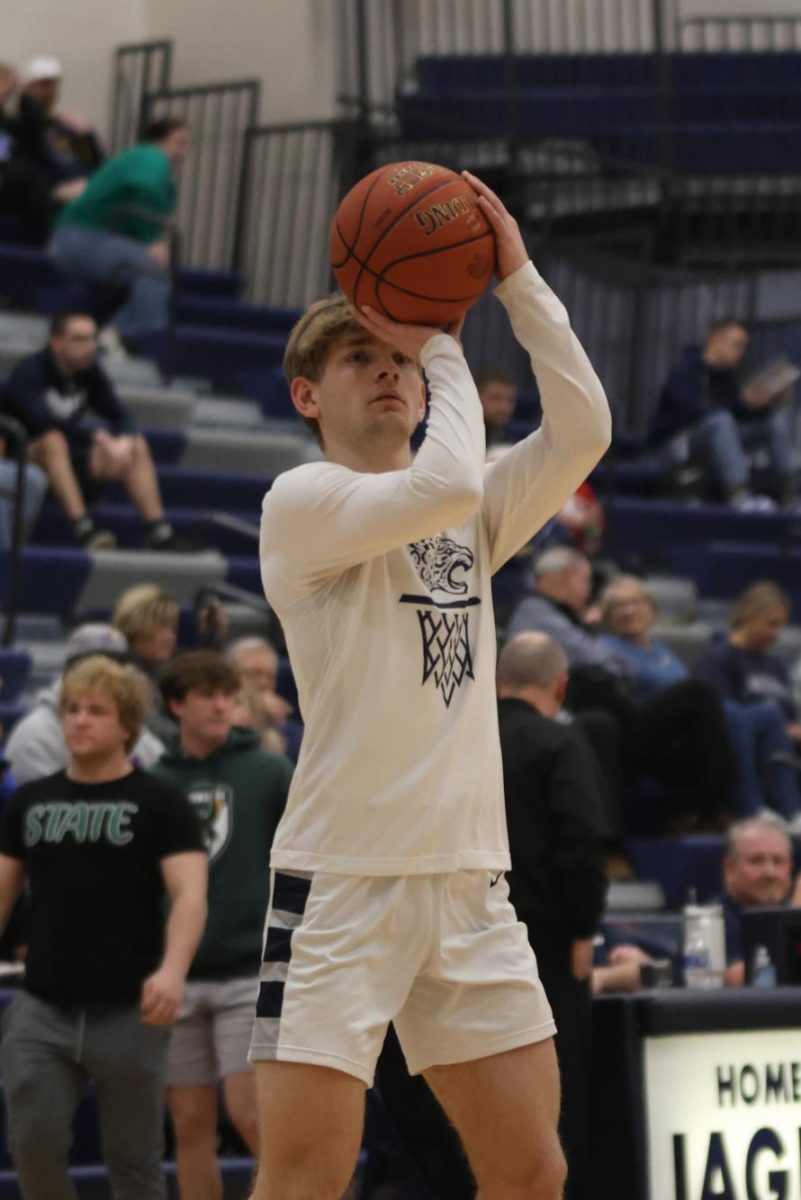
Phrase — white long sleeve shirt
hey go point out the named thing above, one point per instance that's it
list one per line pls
(382, 585)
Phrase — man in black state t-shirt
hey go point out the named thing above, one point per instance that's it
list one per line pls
(100, 844)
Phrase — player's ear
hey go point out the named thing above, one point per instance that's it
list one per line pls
(302, 392)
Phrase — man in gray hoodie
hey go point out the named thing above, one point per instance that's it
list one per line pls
(36, 746)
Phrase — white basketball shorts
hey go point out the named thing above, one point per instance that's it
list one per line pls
(442, 956)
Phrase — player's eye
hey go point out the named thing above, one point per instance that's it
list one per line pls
(403, 360)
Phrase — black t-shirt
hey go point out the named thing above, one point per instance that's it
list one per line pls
(92, 855)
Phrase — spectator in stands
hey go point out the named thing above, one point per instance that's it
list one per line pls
(239, 793)
(757, 869)
(756, 728)
(497, 391)
(117, 232)
(555, 812)
(36, 745)
(22, 190)
(678, 736)
(101, 846)
(580, 521)
(147, 615)
(706, 415)
(81, 433)
(257, 662)
(741, 666)
(60, 147)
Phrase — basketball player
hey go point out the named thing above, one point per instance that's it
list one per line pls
(388, 900)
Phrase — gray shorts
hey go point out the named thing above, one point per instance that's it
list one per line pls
(211, 1037)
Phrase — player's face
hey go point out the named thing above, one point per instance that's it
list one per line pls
(93, 731)
(368, 389)
(761, 871)
(762, 630)
(205, 714)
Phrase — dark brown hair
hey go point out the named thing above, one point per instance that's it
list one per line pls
(195, 669)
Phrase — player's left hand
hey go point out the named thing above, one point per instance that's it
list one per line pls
(409, 339)
(162, 993)
(512, 253)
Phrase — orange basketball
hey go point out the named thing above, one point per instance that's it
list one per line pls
(411, 241)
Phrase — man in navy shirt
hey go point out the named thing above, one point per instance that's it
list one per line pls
(757, 870)
(705, 413)
(80, 432)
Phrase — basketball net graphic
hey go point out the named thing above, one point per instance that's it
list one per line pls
(444, 623)
(446, 649)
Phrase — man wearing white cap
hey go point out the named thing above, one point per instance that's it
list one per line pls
(64, 150)
(36, 746)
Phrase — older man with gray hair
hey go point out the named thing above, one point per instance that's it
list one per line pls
(557, 833)
(757, 870)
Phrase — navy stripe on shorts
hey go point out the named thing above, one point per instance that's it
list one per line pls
(287, 905)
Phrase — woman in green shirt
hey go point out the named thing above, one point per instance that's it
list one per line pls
(114, 233)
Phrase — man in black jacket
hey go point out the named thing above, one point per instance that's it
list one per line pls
(81, 433)
(557, 830)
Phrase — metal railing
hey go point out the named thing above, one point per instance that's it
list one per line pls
(635, 318)
(760, 31)
(139, 70)
(293, 177)
(218, 116)
(15, 433)
(380, 40)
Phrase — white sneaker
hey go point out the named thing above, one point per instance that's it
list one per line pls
(754, 504)
(110, 345)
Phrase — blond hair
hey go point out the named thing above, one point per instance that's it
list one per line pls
(619, 583)
(759, 598)
(144, 607)
(324, 323)
(127, 687)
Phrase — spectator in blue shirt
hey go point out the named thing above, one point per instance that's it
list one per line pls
(763, 748)
(705, 415)
(81, 434)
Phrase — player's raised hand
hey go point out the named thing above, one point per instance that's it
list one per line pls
(512, 251)
(409, 339)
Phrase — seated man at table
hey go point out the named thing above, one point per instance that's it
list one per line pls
(757, 870)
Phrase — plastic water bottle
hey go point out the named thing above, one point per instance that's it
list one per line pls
(763, 968)
(704, 946)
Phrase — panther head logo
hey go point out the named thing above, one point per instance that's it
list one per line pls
(437, 561)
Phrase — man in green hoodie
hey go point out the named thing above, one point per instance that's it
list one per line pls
(239, 792)
(115, 233)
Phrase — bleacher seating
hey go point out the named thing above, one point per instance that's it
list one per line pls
(731, 111)
(218, 453)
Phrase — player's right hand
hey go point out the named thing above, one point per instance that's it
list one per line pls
(409, 339)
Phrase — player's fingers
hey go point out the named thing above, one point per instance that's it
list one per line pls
(483, 189)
